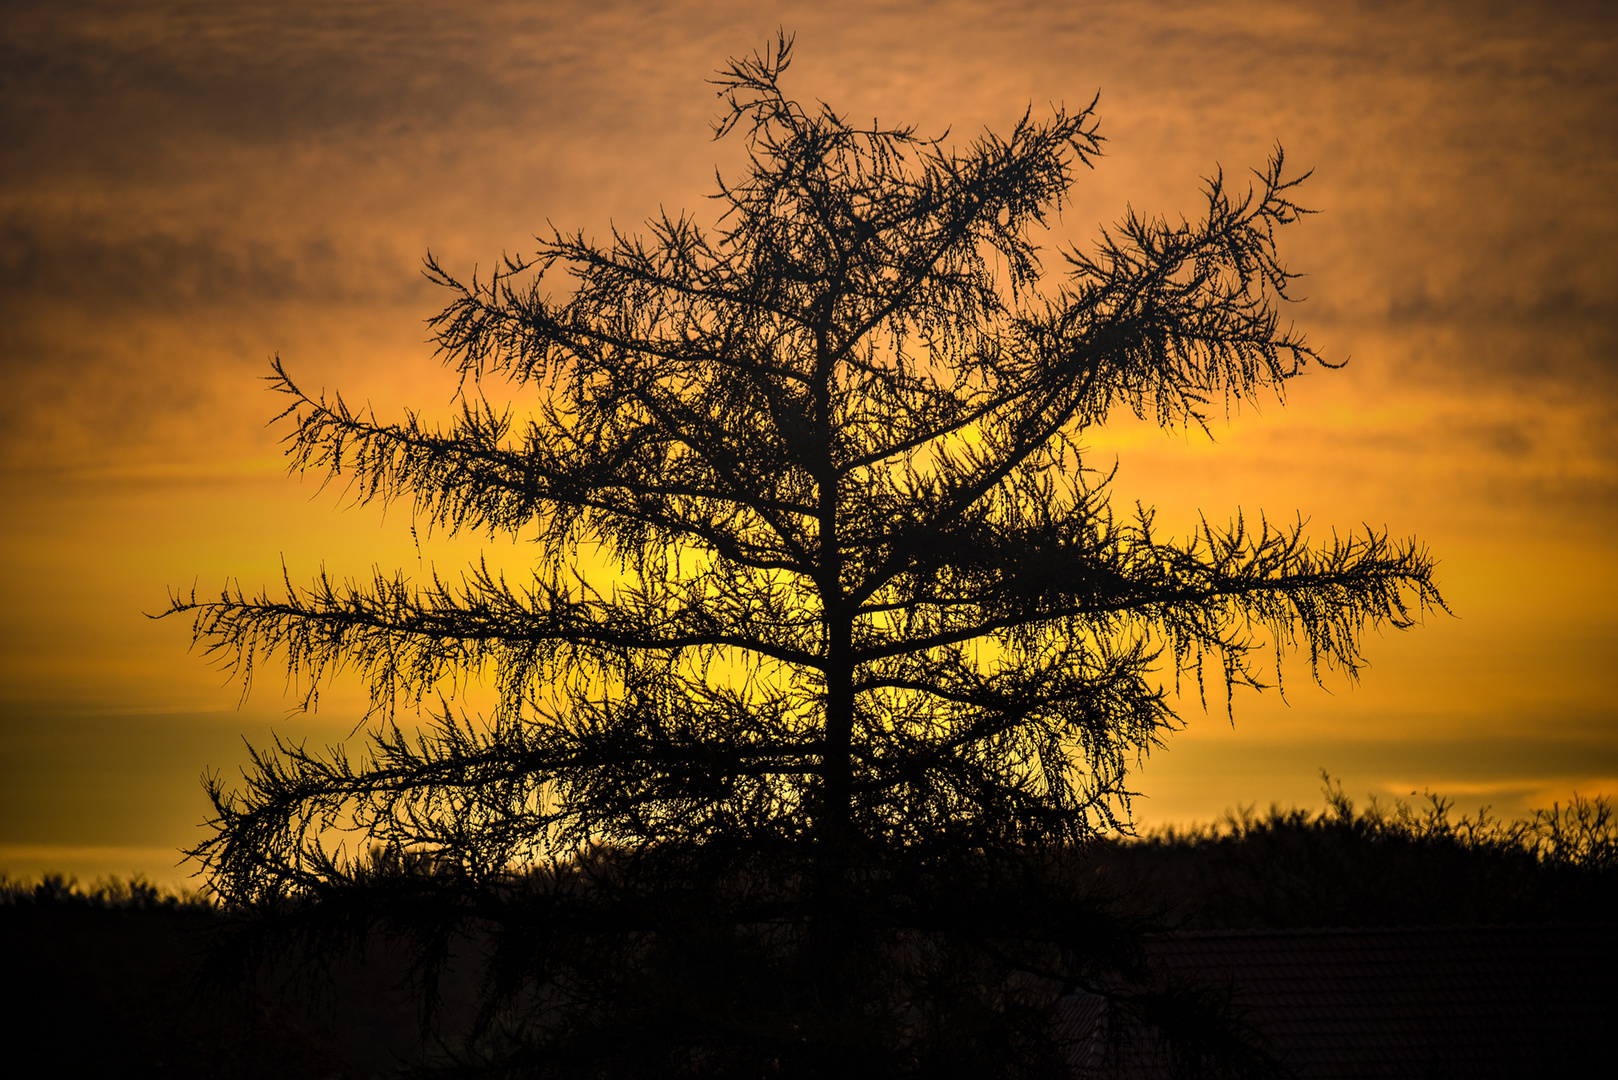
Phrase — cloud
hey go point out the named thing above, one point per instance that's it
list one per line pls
(102, 263)
(174, 166)
(1536, 791)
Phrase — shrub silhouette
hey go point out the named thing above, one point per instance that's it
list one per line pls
(113, 978)
(1402, 864)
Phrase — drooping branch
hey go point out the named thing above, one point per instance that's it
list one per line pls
(470, 479)
(1204, 597)
(405, 641)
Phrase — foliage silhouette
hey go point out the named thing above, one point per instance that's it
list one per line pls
(787, 790)
(106, 977)
(114, 979)
(1380, 865)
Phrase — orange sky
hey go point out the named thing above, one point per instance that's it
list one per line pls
(189, 188)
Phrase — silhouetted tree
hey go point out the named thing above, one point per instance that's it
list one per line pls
(869, 638)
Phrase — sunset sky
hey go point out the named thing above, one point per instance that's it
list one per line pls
(188, 189)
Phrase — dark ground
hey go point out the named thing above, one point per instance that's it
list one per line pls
(113, 981)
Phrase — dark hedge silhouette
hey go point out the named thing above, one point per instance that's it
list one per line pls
(113, 979)
(791, 788)
(107, 978)
(1398, 864)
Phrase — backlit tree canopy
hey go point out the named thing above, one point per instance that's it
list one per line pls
(862, 589)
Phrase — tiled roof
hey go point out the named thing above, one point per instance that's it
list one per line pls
(1491, 1001)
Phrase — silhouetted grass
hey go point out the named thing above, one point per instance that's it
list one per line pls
(1386, 864)
(106, 894)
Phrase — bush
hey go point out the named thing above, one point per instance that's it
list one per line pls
(1398, 864)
